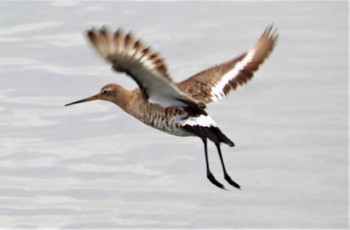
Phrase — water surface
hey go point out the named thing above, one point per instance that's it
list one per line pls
(93, 166)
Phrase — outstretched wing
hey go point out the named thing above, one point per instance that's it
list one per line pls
(142, 64)
(216, 82)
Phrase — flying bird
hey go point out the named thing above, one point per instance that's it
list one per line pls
(175, 108)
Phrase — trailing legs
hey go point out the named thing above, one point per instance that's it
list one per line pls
(227, 177)
(210, 176)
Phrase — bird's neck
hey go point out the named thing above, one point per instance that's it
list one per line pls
(129, 101)
(132, 102)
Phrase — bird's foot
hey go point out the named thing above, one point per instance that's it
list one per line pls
(231, 182)
(214, 181)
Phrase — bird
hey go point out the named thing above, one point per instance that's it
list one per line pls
(177, 108)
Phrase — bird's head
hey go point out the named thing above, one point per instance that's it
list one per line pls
(108, 92)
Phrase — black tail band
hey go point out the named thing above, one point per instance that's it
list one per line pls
(212, 133)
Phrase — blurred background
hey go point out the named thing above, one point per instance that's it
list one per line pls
(94, 166)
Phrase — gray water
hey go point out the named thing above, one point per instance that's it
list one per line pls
(93, 166)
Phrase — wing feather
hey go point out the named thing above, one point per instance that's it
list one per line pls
(143, 65)
(216, 82)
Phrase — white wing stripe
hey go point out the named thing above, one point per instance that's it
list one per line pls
(217, 91)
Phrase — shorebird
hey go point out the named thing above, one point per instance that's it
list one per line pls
(174, 108)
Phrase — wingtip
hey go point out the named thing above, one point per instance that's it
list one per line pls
(104, 30)
(268, 28)
(271, 31)
(119, 32)
(91, 34)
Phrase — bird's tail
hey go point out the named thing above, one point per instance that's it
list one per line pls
(223, 138)
(212, 133)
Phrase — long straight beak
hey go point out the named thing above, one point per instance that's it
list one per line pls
(92, 98)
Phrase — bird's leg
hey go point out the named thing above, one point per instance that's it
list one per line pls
(227, 177)
(209, 174)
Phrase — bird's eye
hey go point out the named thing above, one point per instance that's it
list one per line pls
(105, 92)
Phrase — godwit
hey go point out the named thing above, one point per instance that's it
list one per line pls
(174, 108)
